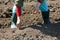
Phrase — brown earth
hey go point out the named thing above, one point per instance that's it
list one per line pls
(32, 24)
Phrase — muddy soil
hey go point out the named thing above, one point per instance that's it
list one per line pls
(32, 27)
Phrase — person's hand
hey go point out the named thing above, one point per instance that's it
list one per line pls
(35, 11)
(18, 22)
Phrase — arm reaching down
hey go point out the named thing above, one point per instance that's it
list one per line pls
(36, 8)
(18, 13)
(19, 4)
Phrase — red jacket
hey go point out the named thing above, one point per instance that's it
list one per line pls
(40, 1)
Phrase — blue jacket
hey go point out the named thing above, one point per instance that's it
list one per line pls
(43, 6)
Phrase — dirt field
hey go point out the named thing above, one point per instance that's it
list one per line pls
(32, 24)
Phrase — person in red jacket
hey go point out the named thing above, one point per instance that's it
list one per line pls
(16, 13)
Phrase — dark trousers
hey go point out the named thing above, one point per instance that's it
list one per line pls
(14, 18)
(45, 15)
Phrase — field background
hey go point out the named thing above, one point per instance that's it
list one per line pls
(32, 23)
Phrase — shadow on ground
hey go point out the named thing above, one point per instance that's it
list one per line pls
(50, 29)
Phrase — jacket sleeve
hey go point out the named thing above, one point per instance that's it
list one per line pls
(18, 11)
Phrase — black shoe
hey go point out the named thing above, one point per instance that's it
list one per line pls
(46, 18)
(48, 22)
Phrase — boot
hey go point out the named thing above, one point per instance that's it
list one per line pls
(45, 16)
(14, 18)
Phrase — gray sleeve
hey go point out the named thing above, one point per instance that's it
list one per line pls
(16, 2)
(19, 2)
